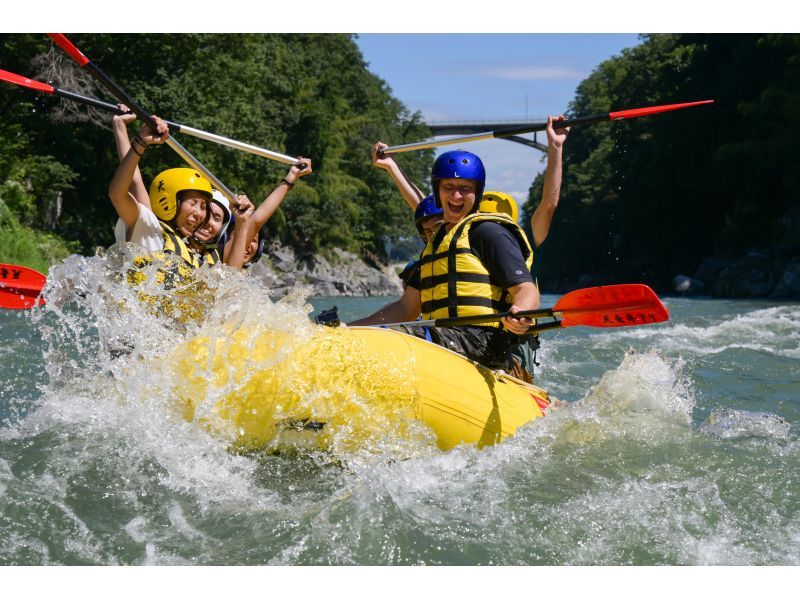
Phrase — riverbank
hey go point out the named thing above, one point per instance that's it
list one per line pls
(340, 274)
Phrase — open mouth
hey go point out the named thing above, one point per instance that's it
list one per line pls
(454, 207)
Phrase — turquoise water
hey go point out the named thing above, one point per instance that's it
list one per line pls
(671, 444)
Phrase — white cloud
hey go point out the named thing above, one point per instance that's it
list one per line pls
(534, 73)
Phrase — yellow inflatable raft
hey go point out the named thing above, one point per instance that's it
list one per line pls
(346, 388)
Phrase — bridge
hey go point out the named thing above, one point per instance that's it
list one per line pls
(468, 127)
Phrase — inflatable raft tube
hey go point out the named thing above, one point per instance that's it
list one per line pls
(346, 387)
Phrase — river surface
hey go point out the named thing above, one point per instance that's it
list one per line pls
(674, 443)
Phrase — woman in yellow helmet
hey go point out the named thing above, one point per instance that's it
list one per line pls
(214, 237)
(180, 213)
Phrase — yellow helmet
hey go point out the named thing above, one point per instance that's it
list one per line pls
(165, 188)
(501, 203)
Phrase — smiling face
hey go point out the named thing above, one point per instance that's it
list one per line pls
(210, 229)
(191, 212)
(429, 226)
(251, 248)
(458, 199)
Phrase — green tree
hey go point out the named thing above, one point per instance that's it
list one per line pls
(309, 95)
(649, 198)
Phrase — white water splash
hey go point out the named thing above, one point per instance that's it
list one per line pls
(617, 476)
(735, 423)
(774, 331)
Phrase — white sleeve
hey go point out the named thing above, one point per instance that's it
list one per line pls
(120, 231)
(146, 231)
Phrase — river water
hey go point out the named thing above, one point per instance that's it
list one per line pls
(674, 443)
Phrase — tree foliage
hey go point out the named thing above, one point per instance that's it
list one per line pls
(647, 199)
(309, 95)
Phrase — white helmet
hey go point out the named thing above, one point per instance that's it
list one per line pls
(218, 198)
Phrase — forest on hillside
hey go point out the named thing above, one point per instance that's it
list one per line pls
(298, 94)
(711, 193)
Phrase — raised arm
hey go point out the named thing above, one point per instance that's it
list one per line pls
(247, 229)
(273, 201)
(542, 217)
(236, 248)
(124, 203)
(123, 144)
(408, 190)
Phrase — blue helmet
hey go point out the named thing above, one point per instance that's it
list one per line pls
(459, 164)
(427, 207)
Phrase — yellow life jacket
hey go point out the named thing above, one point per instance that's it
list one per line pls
(177, 276)
(454, 282)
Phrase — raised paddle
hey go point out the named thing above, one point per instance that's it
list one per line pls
(610, 306)
(173, 127)
(20, 287)
(500, 133)
(61, 40)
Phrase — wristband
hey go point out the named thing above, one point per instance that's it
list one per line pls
(140, 141)
(287, 183)
(133, 147)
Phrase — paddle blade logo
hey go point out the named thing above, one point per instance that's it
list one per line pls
(15, 274)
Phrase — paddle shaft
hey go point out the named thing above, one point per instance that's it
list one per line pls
(173, 127)
(535, 127)
(499, 134)
(66, 45)
(187, 130)
(479, 319)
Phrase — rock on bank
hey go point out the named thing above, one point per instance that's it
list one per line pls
(341, 274)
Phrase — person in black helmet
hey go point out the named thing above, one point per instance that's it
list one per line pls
(249, 236)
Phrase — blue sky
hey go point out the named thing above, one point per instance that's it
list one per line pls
(491, 76)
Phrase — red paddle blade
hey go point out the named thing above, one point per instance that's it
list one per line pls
(69, 48)
(636, 112)
(20, 287)
(25, 82)
(611, 306)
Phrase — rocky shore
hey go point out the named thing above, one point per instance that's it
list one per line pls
(755, 275)
(343, 274)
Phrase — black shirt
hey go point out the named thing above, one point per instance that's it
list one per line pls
(499, 251)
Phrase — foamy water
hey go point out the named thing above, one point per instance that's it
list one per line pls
(670, 444)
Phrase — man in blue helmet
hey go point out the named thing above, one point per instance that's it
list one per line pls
(476, 264)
